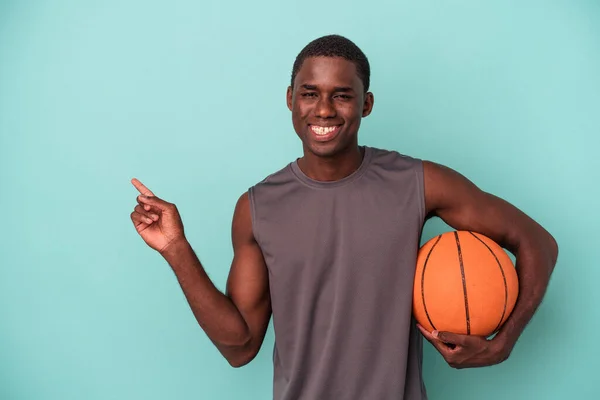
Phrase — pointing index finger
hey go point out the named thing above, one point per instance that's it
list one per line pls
(141, 187)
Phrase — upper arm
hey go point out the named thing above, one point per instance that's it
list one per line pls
(462, 205)
(248, 284)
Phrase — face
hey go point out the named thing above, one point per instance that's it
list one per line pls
(327, 104)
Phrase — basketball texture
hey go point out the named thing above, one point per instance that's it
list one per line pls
(465, 283)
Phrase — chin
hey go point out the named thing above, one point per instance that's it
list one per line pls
(328, 149)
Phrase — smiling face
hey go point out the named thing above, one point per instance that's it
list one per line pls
(327, 104)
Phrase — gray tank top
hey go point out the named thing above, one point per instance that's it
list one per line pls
(341, 259)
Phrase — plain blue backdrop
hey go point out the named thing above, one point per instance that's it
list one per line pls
(189, 97)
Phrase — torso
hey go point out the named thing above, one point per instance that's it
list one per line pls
(341, 257)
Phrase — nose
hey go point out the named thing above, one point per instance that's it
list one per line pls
(325, 108)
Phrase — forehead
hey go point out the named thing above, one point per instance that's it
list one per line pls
(328, 71)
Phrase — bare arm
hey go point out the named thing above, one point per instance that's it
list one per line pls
(235, 322)
(463, 206)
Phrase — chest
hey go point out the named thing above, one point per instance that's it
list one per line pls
(347, 232)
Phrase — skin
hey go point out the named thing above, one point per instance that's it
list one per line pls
(462, 205)
(328, 92)
(236, 322)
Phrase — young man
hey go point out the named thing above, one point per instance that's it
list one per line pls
(328, 246)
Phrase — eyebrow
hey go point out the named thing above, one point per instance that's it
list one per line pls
(343, 89)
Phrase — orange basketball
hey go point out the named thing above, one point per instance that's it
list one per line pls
(465, 283)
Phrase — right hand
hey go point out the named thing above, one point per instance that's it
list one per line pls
(157, 221)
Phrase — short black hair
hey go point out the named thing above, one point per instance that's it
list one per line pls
(335, 46)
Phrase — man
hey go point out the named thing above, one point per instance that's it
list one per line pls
(328, 245)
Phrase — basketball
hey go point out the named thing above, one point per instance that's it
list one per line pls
(465, 283)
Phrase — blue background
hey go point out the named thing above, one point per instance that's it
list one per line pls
(189, 97)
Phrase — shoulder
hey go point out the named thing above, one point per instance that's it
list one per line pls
(447, 188)
(393, 158)
(274, 187)
(441, 175)
(280, 176)
(396, 166)
(245, 202)
(266, 193)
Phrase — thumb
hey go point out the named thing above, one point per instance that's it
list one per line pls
(449, 337)
(153, 201)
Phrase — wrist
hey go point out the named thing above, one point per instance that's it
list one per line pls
(174, 248)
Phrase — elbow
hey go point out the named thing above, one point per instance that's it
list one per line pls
(236, 364)
(547, 246)
(240, 354)
(552, 250)
(241, 358)
(239, 363)
(555, 249)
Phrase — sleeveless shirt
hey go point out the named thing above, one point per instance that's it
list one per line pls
(341, 257)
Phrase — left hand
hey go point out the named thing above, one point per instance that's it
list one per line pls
(466, 351)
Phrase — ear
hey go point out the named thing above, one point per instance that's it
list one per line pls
(289, 97)
(368, 104)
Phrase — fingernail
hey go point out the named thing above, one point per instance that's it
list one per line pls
(434, 334)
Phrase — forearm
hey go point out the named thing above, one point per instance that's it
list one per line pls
(215, 312)
(535, 261)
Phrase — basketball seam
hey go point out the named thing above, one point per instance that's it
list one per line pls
(503, 278)
(423, 281)
(464, 282)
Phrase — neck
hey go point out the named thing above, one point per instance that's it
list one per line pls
(328, 169)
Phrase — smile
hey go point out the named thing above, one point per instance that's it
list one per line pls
(324, 133)
(323, 130)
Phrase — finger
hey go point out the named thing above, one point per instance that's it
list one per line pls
(444, 350)
(151, 215)
(451, 338)
(153, 202)
(439, 345)
(424, 331)
(141, 187)
(428, 335)
(146, 207)
(139, 219)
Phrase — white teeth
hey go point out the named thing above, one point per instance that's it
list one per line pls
(322, 130)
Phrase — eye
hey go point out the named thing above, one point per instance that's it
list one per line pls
(309, 94)
(344, 96)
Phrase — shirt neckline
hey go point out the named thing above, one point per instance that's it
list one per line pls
(331, 184)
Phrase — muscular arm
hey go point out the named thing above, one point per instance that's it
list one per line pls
(463, 206)
(235, 322)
